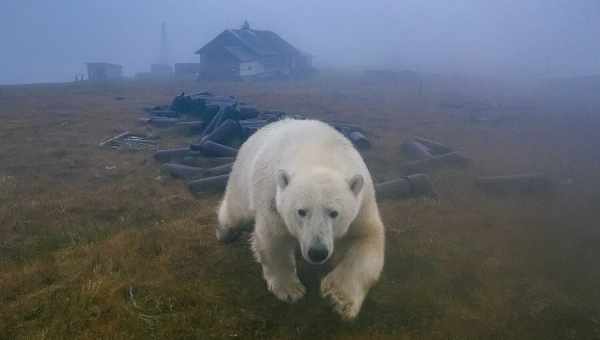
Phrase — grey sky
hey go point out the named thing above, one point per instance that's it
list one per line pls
(47, 41)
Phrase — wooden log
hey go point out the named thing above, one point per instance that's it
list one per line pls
(272, 115)
(171, 154)
(210, 148)
(214, 122)
(516, 184)
(248, 111)
(182, 171)
(162, 122)
(436, 148)
(208, 184)
(192, 124)
(227, 130)
(433, 163)
(197, 159)
(415, 150)
(218, 170)
(346, 126)
(253, 122)
(359, 140)
(164, 113)
(192, 172)
(202, 94)
(114, 138)
(413, 186)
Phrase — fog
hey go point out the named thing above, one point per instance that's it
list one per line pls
(49, 41)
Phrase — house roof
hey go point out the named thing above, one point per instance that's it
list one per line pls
(247, 44)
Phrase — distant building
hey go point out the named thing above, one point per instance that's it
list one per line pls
(161, 70)
(104, 71)
(187, 70)
(247, 53)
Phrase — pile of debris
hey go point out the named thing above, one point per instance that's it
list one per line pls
(427, 155)
(223, 124)
(131, 141)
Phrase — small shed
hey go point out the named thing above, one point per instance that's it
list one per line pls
(187, 70)
(104, 71)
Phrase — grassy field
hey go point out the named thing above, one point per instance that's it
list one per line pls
(95, 244)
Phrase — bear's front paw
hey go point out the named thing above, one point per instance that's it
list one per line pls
(287, 290)
(346, 300)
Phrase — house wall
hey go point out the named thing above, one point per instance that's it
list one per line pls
(114, 72)
(218, 65)
(278, 63)
(251, 68)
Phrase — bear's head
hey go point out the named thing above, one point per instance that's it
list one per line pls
(318, 207)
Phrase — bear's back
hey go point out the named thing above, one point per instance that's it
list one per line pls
(292, 145)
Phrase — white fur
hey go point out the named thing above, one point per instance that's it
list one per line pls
(306, 164)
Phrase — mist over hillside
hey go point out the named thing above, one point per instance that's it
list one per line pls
(51, 41)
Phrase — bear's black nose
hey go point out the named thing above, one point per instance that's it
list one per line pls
(318, 254)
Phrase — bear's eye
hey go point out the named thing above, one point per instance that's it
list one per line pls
(333, 214)
(302, 212)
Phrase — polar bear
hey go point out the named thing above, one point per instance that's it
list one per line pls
(303, 184)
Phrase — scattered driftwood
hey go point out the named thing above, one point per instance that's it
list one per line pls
(225, 131)
(248, 111)
(208, 184)
(516, 184)
(162, 121)
(128, 140)
(164, 113)
(192, 172)
(171, 154)
(182, 171)
(415, 150)
(413, 186)
(192, 124)
(224, 169)
(198, 160)
(114, 138)
(212, 149)
(214, 122)
(359, 140)
(434, 147)
(435, 162)
(429, 155)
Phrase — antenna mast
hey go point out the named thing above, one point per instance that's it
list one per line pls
(164, 45)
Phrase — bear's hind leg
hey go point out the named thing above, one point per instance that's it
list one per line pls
(231, 222)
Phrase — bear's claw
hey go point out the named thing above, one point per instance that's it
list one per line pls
(342, 303)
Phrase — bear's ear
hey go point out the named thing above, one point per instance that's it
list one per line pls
(356, 184)
(283, 179)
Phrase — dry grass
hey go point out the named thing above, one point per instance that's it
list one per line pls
(93, 245)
